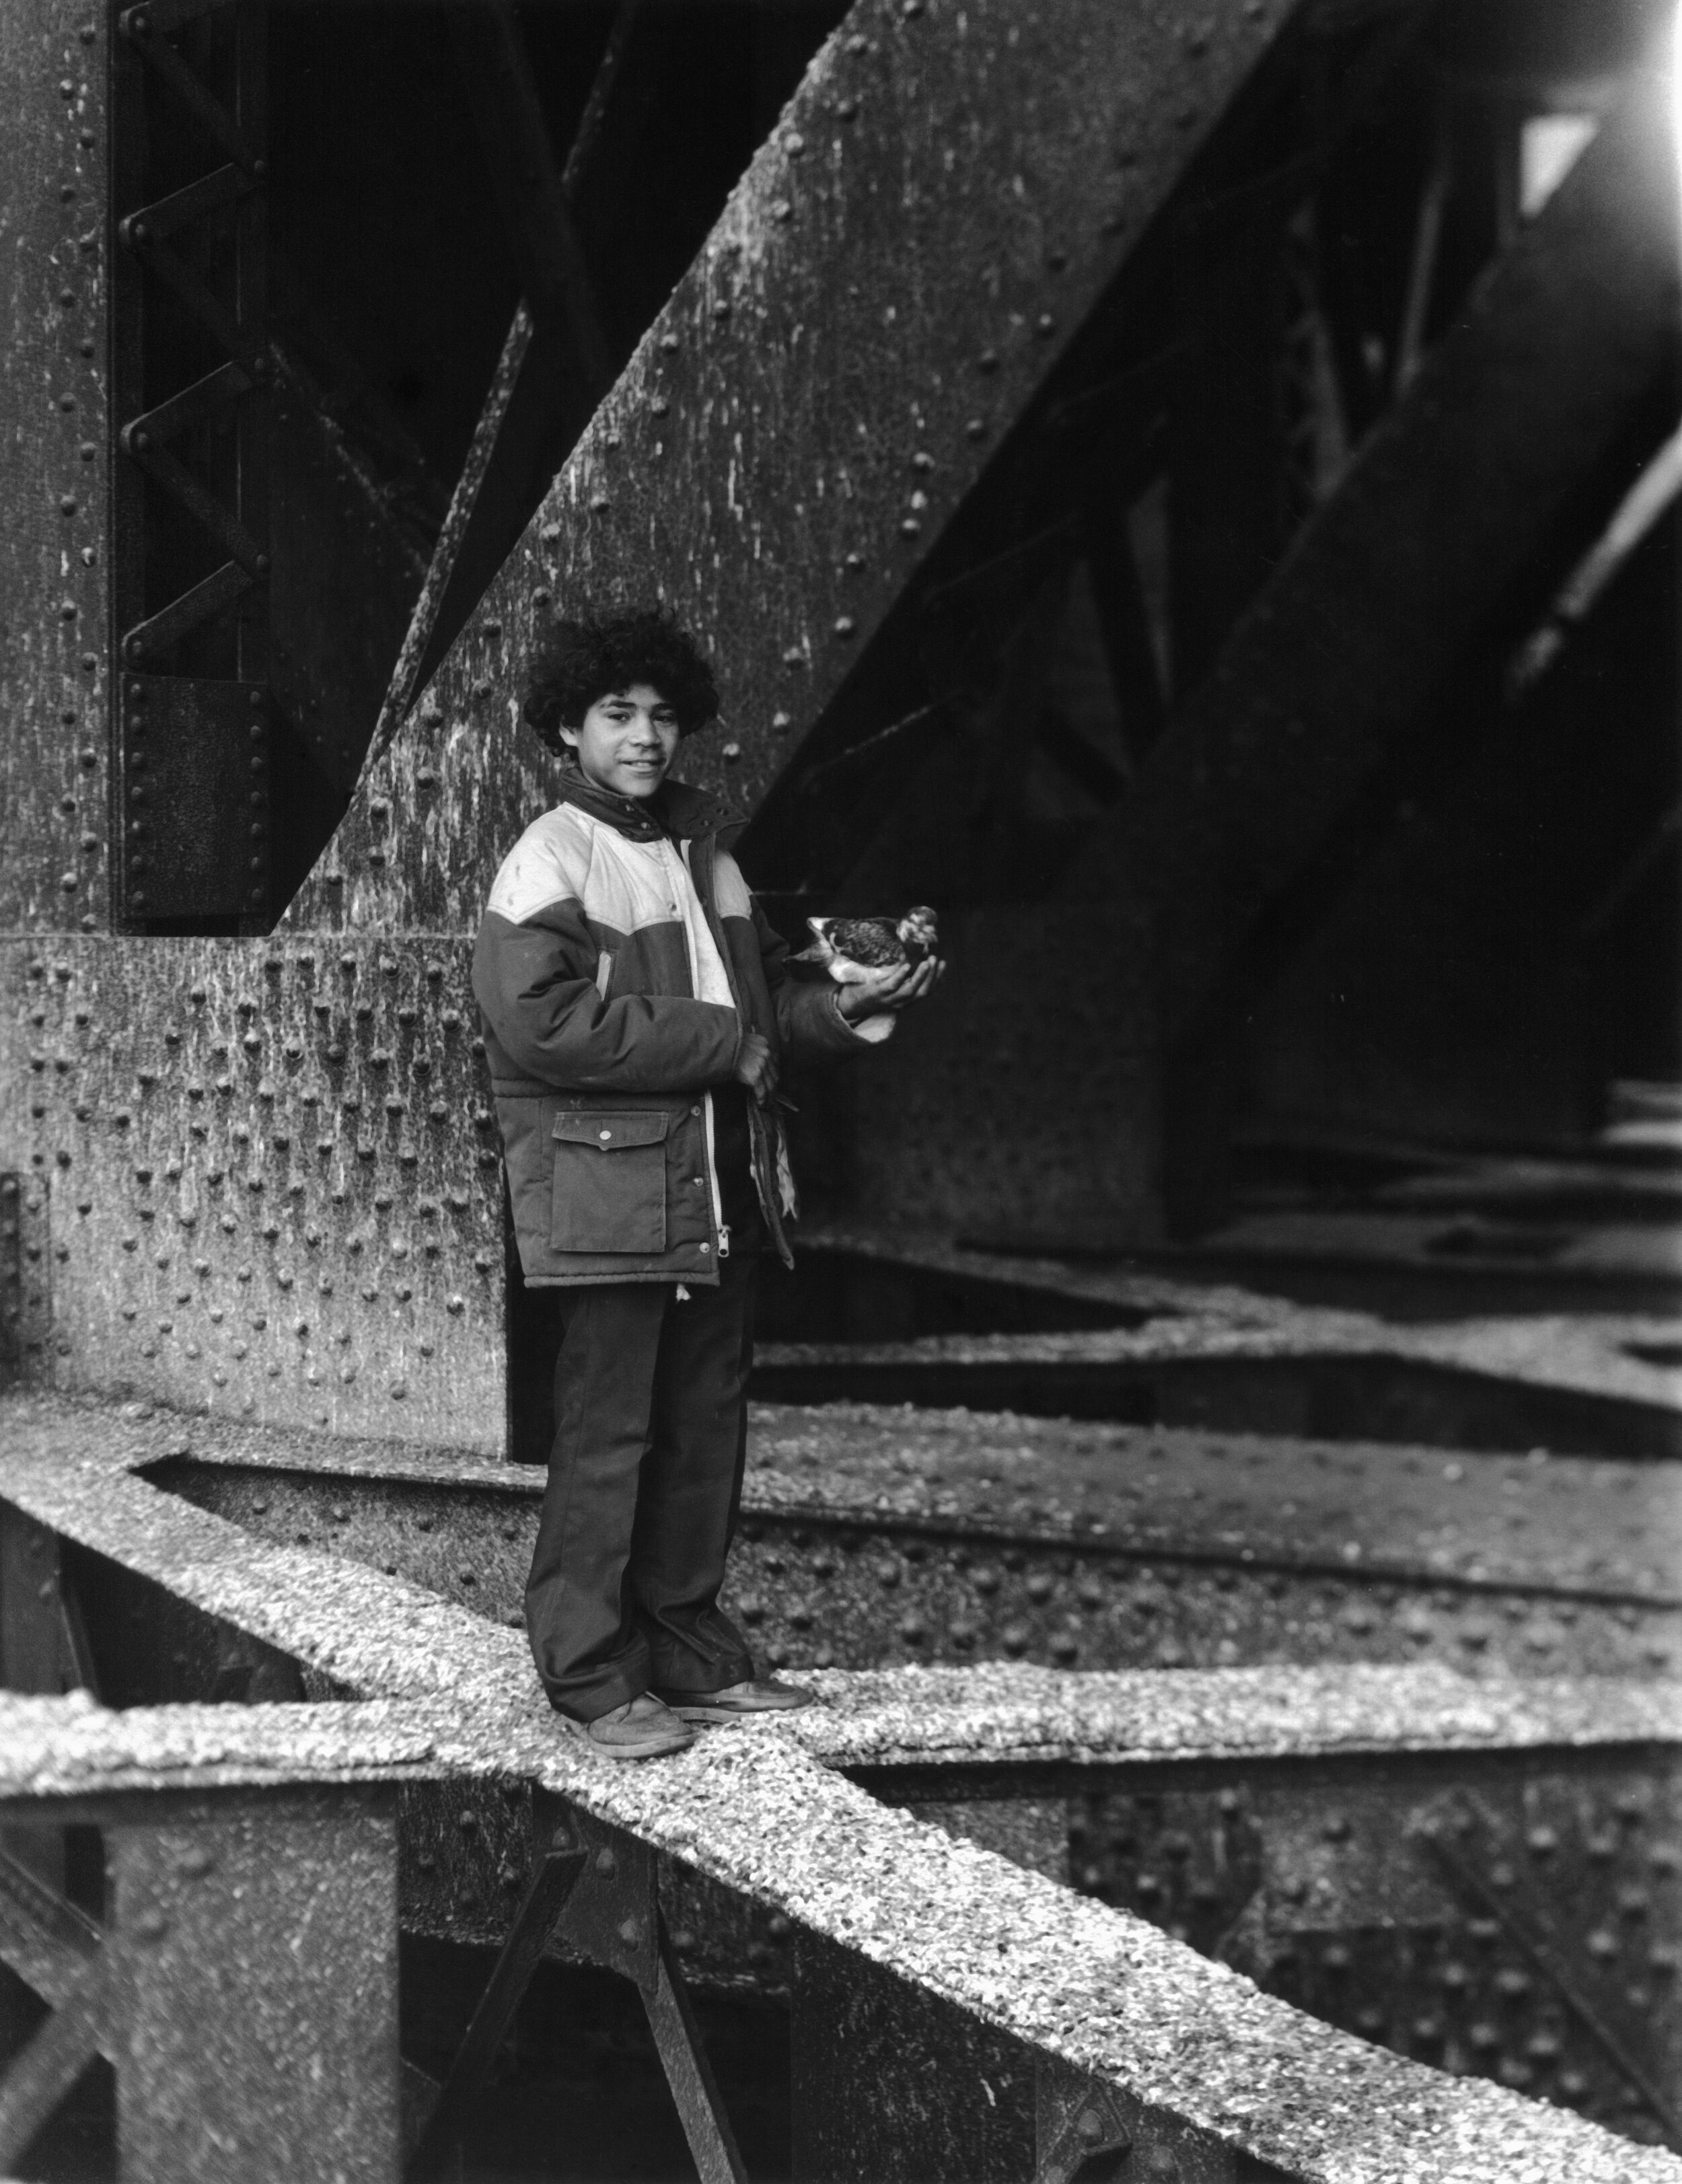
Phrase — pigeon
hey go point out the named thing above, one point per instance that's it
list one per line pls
(853, 950)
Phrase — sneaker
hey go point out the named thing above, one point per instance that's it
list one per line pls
(642, 1728)
(737, 1700)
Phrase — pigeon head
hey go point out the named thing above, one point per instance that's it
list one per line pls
(918, 928)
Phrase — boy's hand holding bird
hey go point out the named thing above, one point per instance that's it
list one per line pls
(879, 963)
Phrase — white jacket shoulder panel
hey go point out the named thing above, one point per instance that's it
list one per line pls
(549, 863)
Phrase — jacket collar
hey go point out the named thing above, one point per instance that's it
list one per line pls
(677, 811)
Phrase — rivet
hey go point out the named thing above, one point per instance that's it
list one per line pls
(847, 109)
(846, 626)
(782, 209)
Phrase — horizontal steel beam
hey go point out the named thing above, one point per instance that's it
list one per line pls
(862, 1545)
(968, 1951)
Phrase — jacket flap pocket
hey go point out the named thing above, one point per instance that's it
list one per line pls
(611, 1134)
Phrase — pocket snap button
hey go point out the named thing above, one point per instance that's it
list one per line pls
(604, 1135)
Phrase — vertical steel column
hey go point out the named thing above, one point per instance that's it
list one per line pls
(53, 871)
(254, 2022)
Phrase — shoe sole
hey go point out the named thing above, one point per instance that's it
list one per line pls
(704, 1715)
(655, 1747)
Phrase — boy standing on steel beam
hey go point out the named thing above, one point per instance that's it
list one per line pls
(636, 1006)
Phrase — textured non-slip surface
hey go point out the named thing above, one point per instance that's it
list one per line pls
(1556, 1523)
(749, 1807)
(1631, 1357)
(70, 1747)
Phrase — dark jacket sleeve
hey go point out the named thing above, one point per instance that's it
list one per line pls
(809, 1023)
(545, 1012)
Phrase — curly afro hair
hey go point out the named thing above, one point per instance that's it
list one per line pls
(583, 660)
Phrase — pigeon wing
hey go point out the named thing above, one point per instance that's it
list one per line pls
(870, 941)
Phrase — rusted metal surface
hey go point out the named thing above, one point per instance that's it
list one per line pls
(275, 1188)
(558, 1864)
(855, 1581)
(257, 1961)
(195, 767)
(973, 1085)
(1537, 1943)
(25, 1315)
(1438, 515)
(767, 1817)
(821, 317)
(334, 531)
(894, 2083)
(220, 79)
(1628, 2022)
(423, 619)
(53, 469)
(245, 1989)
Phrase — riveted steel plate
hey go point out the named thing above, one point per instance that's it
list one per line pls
(466, 1857)
(1088, 2131)
(862, 1587)
(1317, 1880)
(53, 467)
(944, 200)
(274, 1181)
(195, 782)
(255, 1952)
(26, 1303)
(331, 668)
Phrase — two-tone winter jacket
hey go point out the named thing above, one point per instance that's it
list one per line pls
(619, 963)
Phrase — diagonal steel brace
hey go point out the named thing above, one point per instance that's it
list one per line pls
(1448, 1828)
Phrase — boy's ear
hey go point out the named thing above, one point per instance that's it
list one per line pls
(568, 734)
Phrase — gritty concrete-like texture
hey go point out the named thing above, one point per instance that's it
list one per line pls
(1007, 1712)
(749, 1806)
(1561, 1522)
(1598, 1355)
(69, 1748)
(1593, 1526)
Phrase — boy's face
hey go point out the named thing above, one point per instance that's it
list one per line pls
(626, 740)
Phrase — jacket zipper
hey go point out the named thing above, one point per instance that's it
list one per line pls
(723, 1233)
(720, 1231)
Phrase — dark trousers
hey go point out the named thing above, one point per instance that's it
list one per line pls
(645, 1478)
